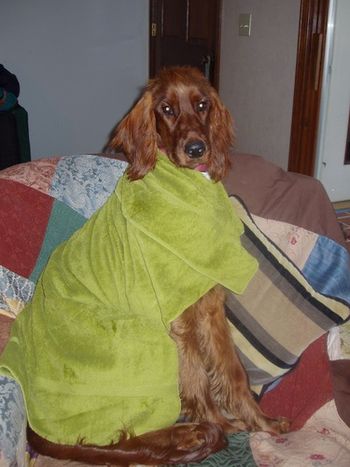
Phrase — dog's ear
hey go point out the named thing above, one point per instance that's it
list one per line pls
(222, 138)
(136, 136)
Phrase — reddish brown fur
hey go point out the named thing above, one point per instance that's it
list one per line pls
(147, 126)
(212, 379)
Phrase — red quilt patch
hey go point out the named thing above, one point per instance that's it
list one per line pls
(24, 214)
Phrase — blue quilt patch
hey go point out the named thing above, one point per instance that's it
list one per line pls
(328, 269)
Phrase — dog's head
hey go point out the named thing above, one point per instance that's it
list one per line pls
(181, 114)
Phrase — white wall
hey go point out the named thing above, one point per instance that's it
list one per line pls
(257, 74)
(80, 64)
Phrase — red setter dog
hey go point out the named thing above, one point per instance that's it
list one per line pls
(181, 114)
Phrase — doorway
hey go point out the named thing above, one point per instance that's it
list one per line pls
(186, 32)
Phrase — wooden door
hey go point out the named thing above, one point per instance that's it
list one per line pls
(308, 83)
(185, 32)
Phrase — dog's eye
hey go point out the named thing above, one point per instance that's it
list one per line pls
(202, 106)
(167, 110)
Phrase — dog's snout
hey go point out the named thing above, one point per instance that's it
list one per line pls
(195, 148)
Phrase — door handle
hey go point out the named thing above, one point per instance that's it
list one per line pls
(206, 62)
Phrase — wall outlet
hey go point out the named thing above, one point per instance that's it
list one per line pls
(245, 23)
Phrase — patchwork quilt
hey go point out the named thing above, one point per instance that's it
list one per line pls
(103, 305)
(44, 202)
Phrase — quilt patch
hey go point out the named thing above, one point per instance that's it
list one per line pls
(280, 313)
(85, 182)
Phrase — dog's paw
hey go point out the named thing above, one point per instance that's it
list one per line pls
(235, 426)
(278, 426)
(196, 441)
(283, 424)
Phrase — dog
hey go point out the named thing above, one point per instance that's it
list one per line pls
(181, 114)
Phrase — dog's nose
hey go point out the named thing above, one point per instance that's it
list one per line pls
(195, 148)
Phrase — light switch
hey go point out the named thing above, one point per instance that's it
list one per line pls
(245, 22)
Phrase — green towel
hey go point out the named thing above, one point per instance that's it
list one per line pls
(92, 350)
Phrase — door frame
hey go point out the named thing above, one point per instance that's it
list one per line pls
(154, 22)
(313, 20)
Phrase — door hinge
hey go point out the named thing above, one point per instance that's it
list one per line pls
(154, 29)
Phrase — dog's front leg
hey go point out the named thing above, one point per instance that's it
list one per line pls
(196, 399)
(228, 379)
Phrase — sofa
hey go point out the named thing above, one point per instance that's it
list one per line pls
(293, 337)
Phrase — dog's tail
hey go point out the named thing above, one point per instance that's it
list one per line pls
(181, 443)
